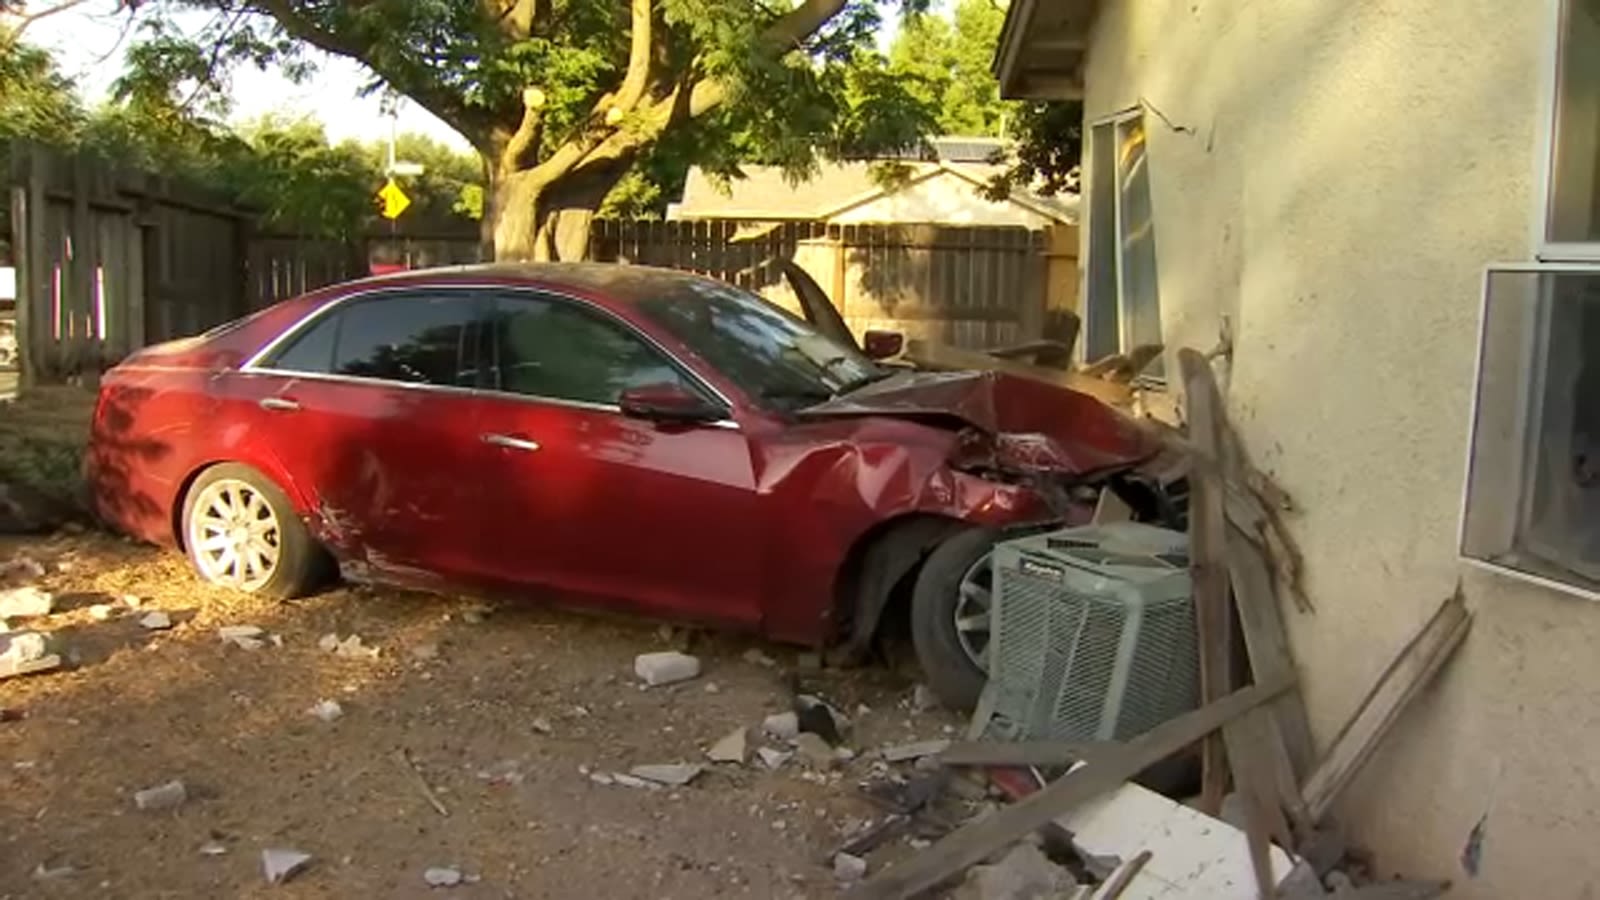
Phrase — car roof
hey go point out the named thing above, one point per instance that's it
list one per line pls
(621, 281)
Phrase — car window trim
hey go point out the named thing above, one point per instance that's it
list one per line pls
(585, 307)
(254, 366)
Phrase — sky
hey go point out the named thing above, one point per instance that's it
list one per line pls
(89, 41)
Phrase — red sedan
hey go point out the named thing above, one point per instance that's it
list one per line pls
(600, 435)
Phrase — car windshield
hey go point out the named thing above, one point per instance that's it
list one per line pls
(773, 355)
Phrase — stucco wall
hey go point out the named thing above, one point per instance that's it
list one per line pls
(1333, 177)
(943, 199)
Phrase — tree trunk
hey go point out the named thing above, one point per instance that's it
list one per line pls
(514, 213)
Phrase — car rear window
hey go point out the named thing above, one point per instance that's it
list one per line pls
(419, 339)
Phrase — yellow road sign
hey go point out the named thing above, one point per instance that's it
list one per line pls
(394, 200)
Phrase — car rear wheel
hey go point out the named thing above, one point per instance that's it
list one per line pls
(242, 532)
(950, 617)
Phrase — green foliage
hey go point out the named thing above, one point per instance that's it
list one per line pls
(945, 62)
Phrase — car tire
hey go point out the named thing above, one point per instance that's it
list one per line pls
(955, 677)
(272, 552)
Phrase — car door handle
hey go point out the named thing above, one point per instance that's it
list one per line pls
(279, 404)
(511, 443)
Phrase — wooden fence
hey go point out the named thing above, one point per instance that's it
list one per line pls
(110, 261)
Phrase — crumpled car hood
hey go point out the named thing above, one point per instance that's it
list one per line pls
(1036, 425)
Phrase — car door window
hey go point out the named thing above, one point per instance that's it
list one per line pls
(412, 339)
(552, 348)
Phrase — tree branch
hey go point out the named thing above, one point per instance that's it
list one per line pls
(802, 22)
(514, 18)
(447, 107)
(25, 19)
(527, 133)
(638, 77)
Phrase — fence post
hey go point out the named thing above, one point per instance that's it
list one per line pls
(34, 288)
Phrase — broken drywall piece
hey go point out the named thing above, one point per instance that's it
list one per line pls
(1192, 855)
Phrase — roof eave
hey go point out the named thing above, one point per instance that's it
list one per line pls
(1042, 47)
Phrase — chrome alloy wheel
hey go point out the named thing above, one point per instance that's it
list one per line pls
(233, 535)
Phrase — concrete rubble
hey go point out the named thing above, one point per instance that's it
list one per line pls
(848, 867)
(665, 667)
(442, 876)
(1024, 873)
(161, 797)
(349, 647)
(327, 710)
(783, 726)
(101, 612)
(731, 749)
(773, 759)
(26, 602)
(671, 774)
(281, 865)
(156, 621)
(245, 637)
(26, 652)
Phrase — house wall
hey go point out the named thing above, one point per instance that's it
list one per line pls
(942, 199)
(1331, 178)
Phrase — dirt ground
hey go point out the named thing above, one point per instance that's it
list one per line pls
(505, 722)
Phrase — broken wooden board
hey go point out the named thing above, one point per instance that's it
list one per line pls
(1267, 643)
(1208, 565)
(1192, 855)
(1407, 674)
(1249, 740)
(972, 843)
(1117, 884)
(1021, 753)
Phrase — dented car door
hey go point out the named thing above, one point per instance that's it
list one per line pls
(594, 504)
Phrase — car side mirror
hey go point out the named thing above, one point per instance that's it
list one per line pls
(882, 344)
(668, 402)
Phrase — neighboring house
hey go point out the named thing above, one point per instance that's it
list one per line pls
(938, 191)
(1330, 182)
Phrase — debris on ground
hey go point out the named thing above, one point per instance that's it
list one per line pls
(475, 615)
(783, 726)
(27, 602)
(281, 865)
(541, 725)
(425, 651)
(665, 667)
(26, 653)
(442, 876)
(773, 759)
(327, 710)
(507, 771)
(43, 872)
(755, 657)
(914, 751)
(671, 774)
(161, 797)
(350, 647)
(731, 749)
(1024, 873)
(808, 662)
(213, 848)
(21, 567)
(849, 868)
(816, 716)
(101, 612)
(156, 621)
(815, 751)
(235, 632)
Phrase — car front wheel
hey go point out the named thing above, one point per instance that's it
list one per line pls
(241, 531)
(950, 617)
